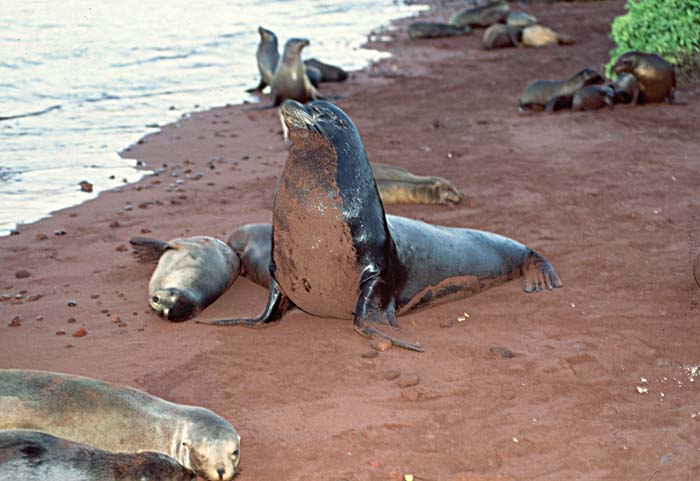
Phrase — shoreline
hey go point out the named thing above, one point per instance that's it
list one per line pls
(608, 197)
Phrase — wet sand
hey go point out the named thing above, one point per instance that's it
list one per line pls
(609, 197)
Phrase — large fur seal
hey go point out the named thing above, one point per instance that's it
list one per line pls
(481, 16)
(290, 80)
(333, 254)
(655, 76)
(329, 73)
(192, 273)
(35, 456)
(593, 97)
(267, 56)
(550, 94)
(119, 419)
(398, 186)
(423, 29)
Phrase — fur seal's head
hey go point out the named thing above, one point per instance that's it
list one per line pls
(589, 76)
(173, 304)
(212, 447)
(319, 116)
(627, 62)
(150, 466)
(293, 47)
(446, 192)
(267, 35)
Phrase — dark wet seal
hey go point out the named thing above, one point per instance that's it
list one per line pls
(656, 78)
(552, 95)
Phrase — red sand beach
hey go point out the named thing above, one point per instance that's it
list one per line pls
(610, 197)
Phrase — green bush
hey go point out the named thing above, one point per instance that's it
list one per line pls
(670, 28)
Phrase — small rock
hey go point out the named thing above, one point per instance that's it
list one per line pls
(380, 344)
(411, 395)
(504, 352)
(114, 224)
(68, 346)
(39, 318)
(15, 322)
(72, 303)
(59, 232)
(146, 230)
(82, 332)
(447, 324)
(408, 380)
(22, 274)
(71, 320)
(14, 232)
(41, 237)
(85, 186)
(663, 363)
(121, 248)
(391, 374)
(34, 297)
(369, 354)
(60, 333)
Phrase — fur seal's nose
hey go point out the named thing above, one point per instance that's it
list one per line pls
(220, 472)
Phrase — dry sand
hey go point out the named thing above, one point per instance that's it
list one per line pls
(610, 197)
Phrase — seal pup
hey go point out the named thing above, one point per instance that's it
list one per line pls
(331, 240)
(290, 80)
(36, 456)
(481, 16)
(553, 94)
(541, 36)
(626, 89)
(192, 273)
(593, 97)
(655, 76)
(435, 30)
(253, 245)
(329, 73)
(267, 57)
(399, 186)
(119, 419)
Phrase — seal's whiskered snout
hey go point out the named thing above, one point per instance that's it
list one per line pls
(294, 115)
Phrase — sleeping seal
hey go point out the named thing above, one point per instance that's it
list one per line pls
(553, 94)
(334, 255)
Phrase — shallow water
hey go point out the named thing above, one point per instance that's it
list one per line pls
(106, 73)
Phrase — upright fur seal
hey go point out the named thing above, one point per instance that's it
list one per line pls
(333, 254)
(35, 456)
(626, 89)
(656, 77)
(119, 419)
(268, 56)
(290, 80)
(549, 94)
(435, 30)
(192, 273)
(398, 186)
(593, 97)
(482, 16)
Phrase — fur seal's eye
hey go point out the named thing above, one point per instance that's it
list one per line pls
(235, 453)
(155, 299)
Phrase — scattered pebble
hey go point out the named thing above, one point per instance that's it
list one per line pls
(72, 303)
(22, 274)
(34, 297)
(68, 346)
(504, 352)
(59, 232)
(642, 389)
(114, 224)
(146, 230)
(447, 323)
(411, 395)
(15, 322)
(82, 332)
(41, 237)
(71, 320)
(380, 344)
(39, 318)
(369, 354)
(60, 333)
(408, 380)
(391, 374)
(85, 186)
(121, 248)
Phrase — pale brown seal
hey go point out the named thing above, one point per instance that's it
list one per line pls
(552, 94)
(398, 186)
(37, 456)
(119, 419)
(541, 36)
(192, 273)
(655, 76)
(290, 80)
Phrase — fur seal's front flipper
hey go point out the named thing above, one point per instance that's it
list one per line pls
(539, 274)
(148, 250)
(277, 305)
(259, 87)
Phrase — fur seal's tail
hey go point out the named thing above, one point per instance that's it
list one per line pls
(147, 249)
(539, 274)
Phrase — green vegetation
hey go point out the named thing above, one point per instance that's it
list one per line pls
(670, 28)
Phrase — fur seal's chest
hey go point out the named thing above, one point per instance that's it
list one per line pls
(315, 261)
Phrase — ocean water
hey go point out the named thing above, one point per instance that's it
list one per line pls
(106, 73)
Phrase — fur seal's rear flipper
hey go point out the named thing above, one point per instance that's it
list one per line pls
(539, 274)
(259, 87)
(277, 306)
(148, 250)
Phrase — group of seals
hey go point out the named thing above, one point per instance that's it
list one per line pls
(37, 456)
(290, 77)
(642, 78)
(191, 274)
(119, 419)
(331, 239)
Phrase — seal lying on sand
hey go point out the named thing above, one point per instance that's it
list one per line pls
(541, 36)
(329, 73)
(656, 77)
(290, 80)
(192, 273)
(398, 186)
(481, 16)
(553, 94)
(626, 89)
(333, 254)
(119, 419)
(435, 30)
(35, 456)
(593, 97)
(519, 20)
(499, 35)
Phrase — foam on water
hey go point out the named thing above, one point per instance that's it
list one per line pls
(103, 71)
